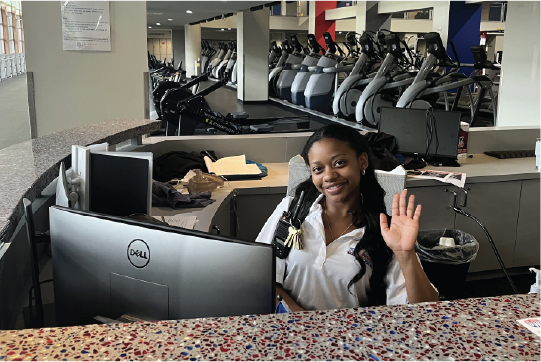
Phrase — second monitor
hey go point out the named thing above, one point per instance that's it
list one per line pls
(409, 126)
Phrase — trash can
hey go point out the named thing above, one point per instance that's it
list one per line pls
(446, 266)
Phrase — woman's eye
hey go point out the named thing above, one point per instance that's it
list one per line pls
(339, 163)
(316, 169)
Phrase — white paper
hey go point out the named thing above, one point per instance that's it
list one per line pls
(455, 178)
(86, 26)
(533, 324)
(181, 220)
(234, 165)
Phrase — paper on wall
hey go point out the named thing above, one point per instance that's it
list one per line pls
(181, 220)
(86, 25)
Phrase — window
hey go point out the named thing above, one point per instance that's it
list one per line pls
(11, 42)
(497, 12)
(2, 51)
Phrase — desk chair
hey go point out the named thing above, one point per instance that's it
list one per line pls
(392, 182)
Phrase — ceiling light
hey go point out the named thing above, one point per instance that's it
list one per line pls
(150, 27)
(170, 19)
(339, 32)
(158, 24)
(228, 28)
(222, 29)
(188, 11)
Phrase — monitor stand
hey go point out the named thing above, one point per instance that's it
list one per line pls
(443, 161)
(415, 163)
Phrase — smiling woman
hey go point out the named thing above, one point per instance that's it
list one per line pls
(351, 256)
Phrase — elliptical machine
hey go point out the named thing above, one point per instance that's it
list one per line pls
(321, 85)
(294, 63)
(347, 95)
(274, 74)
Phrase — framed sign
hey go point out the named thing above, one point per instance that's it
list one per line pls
(85, 25)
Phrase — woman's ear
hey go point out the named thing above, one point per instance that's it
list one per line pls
(363, 161)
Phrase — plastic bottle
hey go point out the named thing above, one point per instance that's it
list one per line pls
(535, 288)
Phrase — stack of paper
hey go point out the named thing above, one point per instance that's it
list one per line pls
(234, 165)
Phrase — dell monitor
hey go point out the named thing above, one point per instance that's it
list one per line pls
(110, 266)
(409, 126)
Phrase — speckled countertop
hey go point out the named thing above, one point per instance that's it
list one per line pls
(470, 329)
(28, 167)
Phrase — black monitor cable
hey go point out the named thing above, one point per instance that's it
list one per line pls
(502, 265)
(431, 131)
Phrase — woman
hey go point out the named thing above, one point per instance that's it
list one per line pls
(351, 256)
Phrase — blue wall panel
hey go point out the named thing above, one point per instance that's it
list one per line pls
(464, 27)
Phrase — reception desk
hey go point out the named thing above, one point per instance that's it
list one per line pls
(471, 329)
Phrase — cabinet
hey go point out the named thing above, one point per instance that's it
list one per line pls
(527, 245)
(509, 210)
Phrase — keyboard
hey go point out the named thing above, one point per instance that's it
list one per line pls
(511, 154)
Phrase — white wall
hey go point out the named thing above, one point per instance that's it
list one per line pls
(388, 7)
(74, 88)
(440, 19)
(411, 26)
(519, 86)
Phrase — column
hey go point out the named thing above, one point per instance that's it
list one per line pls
(252, 56)
(519, 80)
(440, 19)
(74, 88)
(360, 17)
(192, 43)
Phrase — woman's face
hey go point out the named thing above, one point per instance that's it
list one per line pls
(336, 169)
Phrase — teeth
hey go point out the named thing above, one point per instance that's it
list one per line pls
(334, 187)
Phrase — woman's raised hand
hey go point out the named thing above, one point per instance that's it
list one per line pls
(402, 234)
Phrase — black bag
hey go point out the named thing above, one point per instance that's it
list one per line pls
(383, 147)
(176, 164)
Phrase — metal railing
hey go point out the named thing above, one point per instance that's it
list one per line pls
(12, 65)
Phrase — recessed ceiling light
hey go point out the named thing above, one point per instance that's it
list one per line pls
(188, 11)
(228, 28)
(158, 24)
(170, 19)
(339, 32)
(150, 27)
(222, 29)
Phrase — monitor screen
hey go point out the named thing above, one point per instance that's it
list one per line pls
(120, 185)
(409, 128)
(110, 266)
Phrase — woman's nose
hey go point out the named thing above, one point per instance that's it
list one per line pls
(329, 174)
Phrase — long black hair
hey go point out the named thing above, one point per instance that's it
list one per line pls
(372, 204)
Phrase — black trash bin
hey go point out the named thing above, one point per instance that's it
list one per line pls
(446, 266)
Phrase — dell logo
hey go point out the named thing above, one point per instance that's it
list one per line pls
(138, 253)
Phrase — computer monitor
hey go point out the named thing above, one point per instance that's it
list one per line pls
(110, 266)
(409, 128)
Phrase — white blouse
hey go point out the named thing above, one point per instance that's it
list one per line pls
(317, 276)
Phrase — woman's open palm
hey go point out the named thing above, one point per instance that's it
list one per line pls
(402, 234)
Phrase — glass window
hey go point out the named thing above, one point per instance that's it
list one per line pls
(399, 15)
(495, 12)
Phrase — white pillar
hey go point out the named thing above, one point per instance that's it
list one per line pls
(360, 17)
(283, 8)
(252, 55)
(312, 17)
(519, 79)
(192, 43)
(440, 19)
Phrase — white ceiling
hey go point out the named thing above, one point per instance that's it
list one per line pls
(160, 11)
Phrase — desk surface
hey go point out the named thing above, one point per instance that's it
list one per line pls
(470, 329)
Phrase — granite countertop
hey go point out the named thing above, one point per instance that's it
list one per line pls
(28, 167)
(468, 329)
